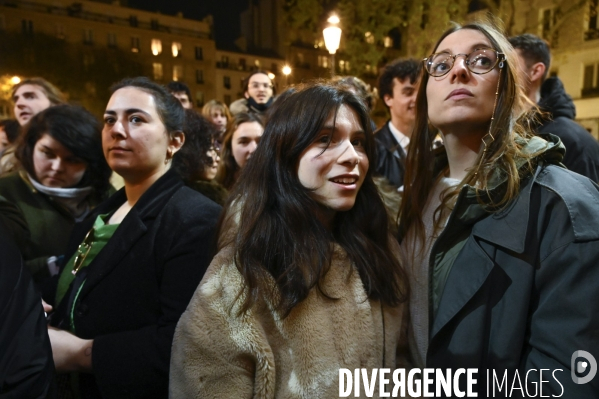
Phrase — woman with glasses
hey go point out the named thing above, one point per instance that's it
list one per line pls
(198, 160)
(502, 241)
(307, 279)
(241, 140)
(133, 266)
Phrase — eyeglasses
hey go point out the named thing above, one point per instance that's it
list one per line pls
(257, 85)
(480, 61)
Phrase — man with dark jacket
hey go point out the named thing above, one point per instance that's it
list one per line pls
(582, 150)
(398, 85)
(26, 365)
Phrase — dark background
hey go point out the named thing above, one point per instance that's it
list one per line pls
(225, 13)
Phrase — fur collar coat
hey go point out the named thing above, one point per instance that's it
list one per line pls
(217, 354)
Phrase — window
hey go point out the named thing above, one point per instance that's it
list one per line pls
(199, 98)
(369, 37)
(134, 44)
(199, 76)
(157, 69)
(227, 82)
(88, 36)
(156, 46)
(154, 25)
(590, 85)
(27, 26)
(133, 21)
(547, 20)
(111, 40)
(593, 28)
(176, 48)
(257, 64)
(344, 66)
(227, 99)
(60, 31)
(177, 72)
(199, 53)
(224, 61)
(323, 61)
(242, 64)
(388, 42)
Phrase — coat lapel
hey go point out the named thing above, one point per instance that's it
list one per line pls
(132, 228)
(469, 272)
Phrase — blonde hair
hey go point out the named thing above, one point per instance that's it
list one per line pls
(215, 104)
(501, 154)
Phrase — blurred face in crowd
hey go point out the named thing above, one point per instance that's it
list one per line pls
(259, 88)
(29, 100)
(210, 171)
(183, 99)
(219, 119)
(3, 140)
(55, 165)
(462, 101)
(245, 141)
(134, 138)
(402, 105)
(335, 171)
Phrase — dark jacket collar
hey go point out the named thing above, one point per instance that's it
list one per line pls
(555, 100)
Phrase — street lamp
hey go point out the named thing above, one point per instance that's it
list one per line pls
(332, 37)
(286, 72)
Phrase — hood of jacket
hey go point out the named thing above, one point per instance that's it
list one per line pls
(555, 100)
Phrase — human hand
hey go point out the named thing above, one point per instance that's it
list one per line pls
(47, 308)
(70, 352)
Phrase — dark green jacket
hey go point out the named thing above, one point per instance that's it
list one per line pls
(40, 226)
(523, 291)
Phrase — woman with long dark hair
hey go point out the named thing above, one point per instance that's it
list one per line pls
(307, 279)
(63, 175)
(240, 141)
(197, 162)
(502, 241)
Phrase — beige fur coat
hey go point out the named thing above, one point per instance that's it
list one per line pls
(259, 355)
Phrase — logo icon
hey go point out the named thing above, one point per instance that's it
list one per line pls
(579, 366)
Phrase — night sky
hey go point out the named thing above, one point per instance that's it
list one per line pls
(225, 13)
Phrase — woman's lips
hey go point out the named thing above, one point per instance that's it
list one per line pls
(459, 93)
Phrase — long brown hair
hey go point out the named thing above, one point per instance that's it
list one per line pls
(227, 168)
(277, 234)
(501, 154)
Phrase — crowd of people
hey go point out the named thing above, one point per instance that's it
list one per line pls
(255, 250)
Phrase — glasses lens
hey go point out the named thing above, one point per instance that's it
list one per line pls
(439, 64)
(482, 60)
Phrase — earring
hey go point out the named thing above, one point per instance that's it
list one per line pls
(501, 64)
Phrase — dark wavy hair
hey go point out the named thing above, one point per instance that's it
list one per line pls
(279, 236)
(228, 166)
(193, 159)
(170, 110)
(246, 81)
(77, 130)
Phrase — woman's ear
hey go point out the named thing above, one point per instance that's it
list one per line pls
(177, 139)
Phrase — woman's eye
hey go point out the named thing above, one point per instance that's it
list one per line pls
(358, 142)
(108, 121)
(441, 67)
(323, 139)
(136, 119)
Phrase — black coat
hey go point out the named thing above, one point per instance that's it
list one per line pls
(391, 157)
(582, 150)
(523, 293)
(138, 286)
(26, 365)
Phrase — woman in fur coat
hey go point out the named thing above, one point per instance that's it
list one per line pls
(307, 279)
